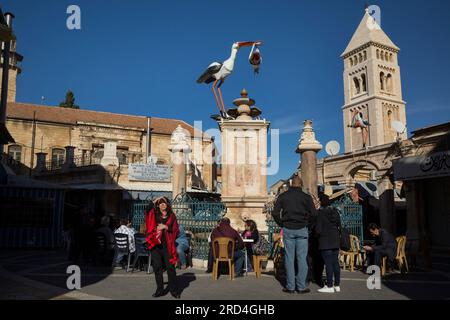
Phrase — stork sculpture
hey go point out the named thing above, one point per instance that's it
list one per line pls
(217, 72)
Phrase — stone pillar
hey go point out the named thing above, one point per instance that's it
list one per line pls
(180, 149)
(110, 154)
(412, 217)
(41, 162)
(308, 147)
(387, 205)
(244, 163)
(69, 159)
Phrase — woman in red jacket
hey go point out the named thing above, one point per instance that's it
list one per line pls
(162, 230)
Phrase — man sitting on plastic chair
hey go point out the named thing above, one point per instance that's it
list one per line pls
(182, 247)
(385, 246)
(125, 228)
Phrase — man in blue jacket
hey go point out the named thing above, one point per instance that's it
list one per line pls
(293, 211)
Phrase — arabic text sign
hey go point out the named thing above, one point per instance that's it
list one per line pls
(148, 172)
(420, 167)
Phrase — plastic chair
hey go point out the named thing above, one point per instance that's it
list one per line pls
(121, 245)
(141, 251)
(257, 264)
(400, 257)
(277, 254)
(354, 252)
(222, 255)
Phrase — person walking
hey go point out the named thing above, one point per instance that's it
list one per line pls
(328, 226)
(162, 231)
(294, 211)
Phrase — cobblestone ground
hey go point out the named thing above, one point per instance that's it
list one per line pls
(42, 275)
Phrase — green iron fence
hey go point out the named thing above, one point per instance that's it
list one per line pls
(272, 226)
(198, 218)
(351, 216)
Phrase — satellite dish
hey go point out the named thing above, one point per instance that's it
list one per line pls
(398, 126)
(332, 148)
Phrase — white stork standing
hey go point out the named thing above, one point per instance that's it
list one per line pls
(217, 72)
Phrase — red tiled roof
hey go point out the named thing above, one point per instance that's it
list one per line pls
(18, 110)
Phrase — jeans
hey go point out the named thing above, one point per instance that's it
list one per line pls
(331, 259)
(295, 249)
(181, 251)
(119, 257)
(239, 257)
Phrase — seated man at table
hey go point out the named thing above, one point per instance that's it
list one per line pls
(385, 246)
(224, 229)
(182, 246)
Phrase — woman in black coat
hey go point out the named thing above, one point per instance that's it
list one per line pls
(327, 228)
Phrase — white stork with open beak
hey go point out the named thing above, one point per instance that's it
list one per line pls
(217, 73)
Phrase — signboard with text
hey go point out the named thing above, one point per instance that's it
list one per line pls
(421, 167)
(148, 172)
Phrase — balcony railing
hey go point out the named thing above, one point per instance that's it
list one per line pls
(78, 161)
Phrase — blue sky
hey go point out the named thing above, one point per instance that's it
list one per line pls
(143, 57)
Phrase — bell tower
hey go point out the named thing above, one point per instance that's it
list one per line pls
(372, 88)
(14, 69)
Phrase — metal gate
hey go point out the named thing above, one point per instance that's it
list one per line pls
(198, 218)
(351, 216)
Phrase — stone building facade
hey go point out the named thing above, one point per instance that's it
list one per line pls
(50, 131)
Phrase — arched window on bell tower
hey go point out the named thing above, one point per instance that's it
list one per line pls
(389, 84)
(357, 87)
(363, 83)
(382, 81)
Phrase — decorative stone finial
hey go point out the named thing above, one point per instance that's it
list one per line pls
(308, 140)
(179, 140)
(244, 93)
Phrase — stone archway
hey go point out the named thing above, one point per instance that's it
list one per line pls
(360, 170)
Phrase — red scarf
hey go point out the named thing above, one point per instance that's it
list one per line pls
(154, 236)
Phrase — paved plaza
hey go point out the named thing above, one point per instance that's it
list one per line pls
(42, 275)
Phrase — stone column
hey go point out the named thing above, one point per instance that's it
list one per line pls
(412, 217)
(69, 160)
(110, 154)
(244, 161)
(41, 161)
(387, 205)
(180, 149)
(308, 147)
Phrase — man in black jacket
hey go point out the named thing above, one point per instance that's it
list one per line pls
(294, 211)
(385, 246)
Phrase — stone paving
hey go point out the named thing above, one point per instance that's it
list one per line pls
(30, 275)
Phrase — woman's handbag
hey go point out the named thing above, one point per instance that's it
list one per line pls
(261, 247)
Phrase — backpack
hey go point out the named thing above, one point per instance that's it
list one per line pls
(261, 247)
(344, 236)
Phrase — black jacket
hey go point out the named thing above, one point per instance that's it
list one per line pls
(294, 209)
(386, 242)
(327, 228)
